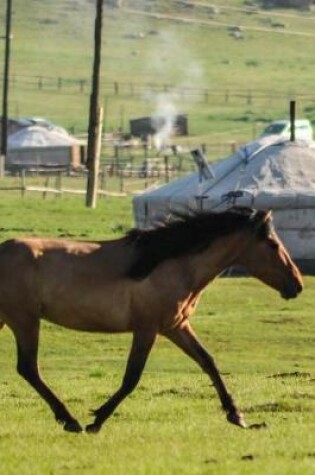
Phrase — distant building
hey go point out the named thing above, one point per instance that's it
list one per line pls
(143, 127)
(35, 143)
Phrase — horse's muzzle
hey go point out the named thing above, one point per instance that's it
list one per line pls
(292, 290)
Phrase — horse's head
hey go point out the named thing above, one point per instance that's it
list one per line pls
(267, 259)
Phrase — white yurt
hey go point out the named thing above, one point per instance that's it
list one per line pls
(269, 173)
(39, 146)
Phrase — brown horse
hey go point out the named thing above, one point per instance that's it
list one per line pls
(147, 283)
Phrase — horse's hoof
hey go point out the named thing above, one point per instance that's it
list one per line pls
(93, 428)
(72, 426)
(237, 418)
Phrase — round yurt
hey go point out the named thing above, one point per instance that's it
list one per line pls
(40, 147)
(269, 173)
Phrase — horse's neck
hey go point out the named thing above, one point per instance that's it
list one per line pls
(220, 255)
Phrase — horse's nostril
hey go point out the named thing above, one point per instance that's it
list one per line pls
(292, 289)
(297, 288)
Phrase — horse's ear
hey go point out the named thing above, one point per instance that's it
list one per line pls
(265, 215)
(262, 217)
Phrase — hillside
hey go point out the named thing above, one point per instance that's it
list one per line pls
(230, 67)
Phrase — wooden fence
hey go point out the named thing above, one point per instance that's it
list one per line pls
(140, 90)
(61, 183)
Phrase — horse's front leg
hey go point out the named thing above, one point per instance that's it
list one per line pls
(186, 339)
(141, 347)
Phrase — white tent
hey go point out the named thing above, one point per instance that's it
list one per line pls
(38, 136)
(42, 146)
(266, 174)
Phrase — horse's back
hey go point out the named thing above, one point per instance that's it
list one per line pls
(72, 283)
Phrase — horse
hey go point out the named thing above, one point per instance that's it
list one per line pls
(147, 282)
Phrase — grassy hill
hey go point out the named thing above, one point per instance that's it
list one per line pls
(184, 50)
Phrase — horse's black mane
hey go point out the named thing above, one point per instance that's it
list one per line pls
(187, 235)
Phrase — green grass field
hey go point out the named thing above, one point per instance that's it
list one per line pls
(264, 346)
(249, 82)
(172, 423)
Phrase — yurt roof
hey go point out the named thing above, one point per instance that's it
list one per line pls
(38, 136)
(266, 173)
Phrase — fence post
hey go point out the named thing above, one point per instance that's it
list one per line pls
(2, 162)
(121, 182)
(23, 182)
(59, 183)
(249, 98)
(103, 182)
(82, 84)
(46, 186)
(167, 177)
(233, 146)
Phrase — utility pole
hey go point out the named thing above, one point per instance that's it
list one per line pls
(95, 117)
(4, 122)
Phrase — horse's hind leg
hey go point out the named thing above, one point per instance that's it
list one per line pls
(186, 339)
(27, 351)
(141, 346)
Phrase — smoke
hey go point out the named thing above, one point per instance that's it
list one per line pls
(163, 120)
(170, 58)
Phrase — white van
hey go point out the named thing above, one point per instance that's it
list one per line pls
(303, 129)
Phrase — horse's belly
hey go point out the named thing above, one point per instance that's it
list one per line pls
(89, 312)
(91, 322)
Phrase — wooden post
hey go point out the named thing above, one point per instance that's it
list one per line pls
(59, 184)
(46, 186)
(121, 181)
(4, 122)
(82, 83)
(92, 185)
(249, 98)
(103, 179)
(2, 165)
(96, 114)
(23, 183)
(292, 121)
(166, 164)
